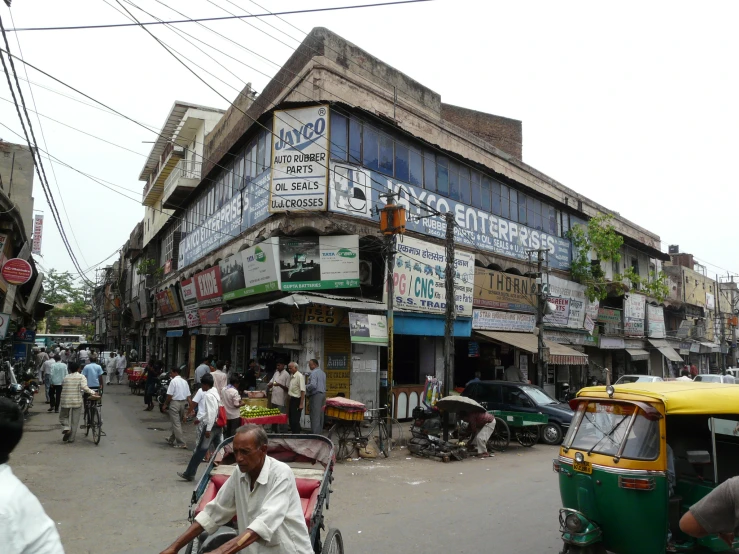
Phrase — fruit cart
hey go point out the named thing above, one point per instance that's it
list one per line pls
(261, 415)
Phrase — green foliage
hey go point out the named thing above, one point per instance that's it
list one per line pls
(149, 266)
(60, 288)
(70, 299)
(655, 286)
(599, 240)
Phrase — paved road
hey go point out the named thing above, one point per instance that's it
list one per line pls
(124, 496)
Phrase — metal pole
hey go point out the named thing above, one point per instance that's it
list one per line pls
(390, 246)
(451, 308)
(540, 367)
(722, 359)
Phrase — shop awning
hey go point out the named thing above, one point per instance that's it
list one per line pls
(559, 354)
(666, 350)
(710, 348)
(175, 333)
(259, 312)
(637, 354)
(214, 330)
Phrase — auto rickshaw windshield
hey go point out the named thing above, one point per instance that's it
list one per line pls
(607, 428)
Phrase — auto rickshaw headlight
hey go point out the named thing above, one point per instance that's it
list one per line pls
(579, 457)
(573, 523)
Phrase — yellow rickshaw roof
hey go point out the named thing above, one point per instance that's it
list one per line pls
(678, 397)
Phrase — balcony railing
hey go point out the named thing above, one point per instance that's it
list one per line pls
(180, 182)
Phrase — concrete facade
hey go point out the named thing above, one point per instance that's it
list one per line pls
(16, 180)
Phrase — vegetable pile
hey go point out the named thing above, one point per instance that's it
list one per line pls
(258, 411)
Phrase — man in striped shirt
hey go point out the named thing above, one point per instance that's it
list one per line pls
(72, 401)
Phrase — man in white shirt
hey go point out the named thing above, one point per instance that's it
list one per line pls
(46, 376)
(83, 356)
(208, 431)
(178, 396)
(111, 365)
(279, 386)
(296, 397)
(262, 494)
(121, 364)
(220, 379)
(24, 526)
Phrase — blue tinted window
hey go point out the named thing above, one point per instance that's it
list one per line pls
(429, 170)
(475, 193)
(534, 213)
(552, 229)
(442, 175)
(485, 196)
(386, 154)
(339, 125)
(496, 198)
(260, 155)
(504, 202)
(355, 141)
(264, 153)
(514, 205)
(370, 148)
(416, 177)
(464, 184)
(522, 208)
(402, 162)
(453, 180)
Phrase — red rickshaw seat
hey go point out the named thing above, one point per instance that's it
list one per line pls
(308, 490)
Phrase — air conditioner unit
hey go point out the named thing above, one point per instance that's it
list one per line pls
(287, 333)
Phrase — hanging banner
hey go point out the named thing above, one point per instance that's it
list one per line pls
(368, 329)
(571, 304)
(418, 277)
(299, 160)
(167, 302)
(356, 191)
(208, 287)
(251, 271)
(634, 314)
(504, 291)
(210, 316)
(316, 263)
(655, 322)
(190, 301)
(38, 229)
(491, 320)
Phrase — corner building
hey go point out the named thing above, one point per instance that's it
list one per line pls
(284, 224)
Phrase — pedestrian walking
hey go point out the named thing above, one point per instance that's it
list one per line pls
(24, 525)
(231, 400)
(152, 381)
(65, 354)
(41, 357)
(73, 386)
(92, 372)
(178, 397)
(57, 374)
(208, 431)
(296, 397)
(220, 379)
(46, 376)
(202, 369)
(111, 369)
(121, 364)
(279, 386)
(83, 356)
(315, 388)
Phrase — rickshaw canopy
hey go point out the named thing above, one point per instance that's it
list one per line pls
(678, 397)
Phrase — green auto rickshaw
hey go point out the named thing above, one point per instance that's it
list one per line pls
(636, 457)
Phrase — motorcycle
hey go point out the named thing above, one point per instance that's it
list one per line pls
(426, 438)
(26, 395)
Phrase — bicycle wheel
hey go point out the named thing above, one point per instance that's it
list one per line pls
(342, 435)
(528, 436)
(382, 439)
(88, 422)
(397, 440)
(334, 543)
(501, 437)
(96, 426)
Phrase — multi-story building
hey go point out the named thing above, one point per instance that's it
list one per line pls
(276, 251)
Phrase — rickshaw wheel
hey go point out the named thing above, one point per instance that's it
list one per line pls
(501, 437)
(342, 436)
(528, 436)
(334, 543)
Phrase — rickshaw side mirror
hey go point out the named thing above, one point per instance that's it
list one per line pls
(698, 457)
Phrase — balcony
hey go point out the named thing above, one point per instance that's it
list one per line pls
(171, 154)
(181, 181)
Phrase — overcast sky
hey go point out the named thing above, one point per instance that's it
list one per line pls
(633, 105)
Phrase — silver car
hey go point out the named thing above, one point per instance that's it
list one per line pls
(706, 378)
(625, 379)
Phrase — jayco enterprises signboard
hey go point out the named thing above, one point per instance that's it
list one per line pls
(504, 291)
(492, 320)
(299, 160)
(418, 277)
(355, 191)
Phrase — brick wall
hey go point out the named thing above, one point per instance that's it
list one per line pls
(502, 132)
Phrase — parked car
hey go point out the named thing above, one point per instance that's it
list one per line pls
(706, 378)
(523, 397)
(624, 379)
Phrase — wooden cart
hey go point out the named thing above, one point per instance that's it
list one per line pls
(526, 428)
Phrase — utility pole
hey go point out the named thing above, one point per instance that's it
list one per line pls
(541, 304)
(718, 317)
(450, 314)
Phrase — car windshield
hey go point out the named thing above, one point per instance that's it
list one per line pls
(539, 396)
(709, 378)
(634, 379)
(603, 427)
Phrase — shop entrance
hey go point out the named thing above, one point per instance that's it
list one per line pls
(406, 360)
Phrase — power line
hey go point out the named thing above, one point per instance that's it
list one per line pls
(147, 23)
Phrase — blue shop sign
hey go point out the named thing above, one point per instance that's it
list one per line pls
(356, 191)
(428, 325)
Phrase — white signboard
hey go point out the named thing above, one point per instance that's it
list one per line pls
(710, 301)
(418, 278)
(315, 263)
(368, 329)
(252, 271)
(634, 314)
(571, 303)
(492, 320)
(299, 160)
(38, 229)
(655, 322)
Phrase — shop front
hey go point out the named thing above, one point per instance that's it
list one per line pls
(173, 339)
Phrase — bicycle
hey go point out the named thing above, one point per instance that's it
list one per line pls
(93, 417)
(347, 434)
